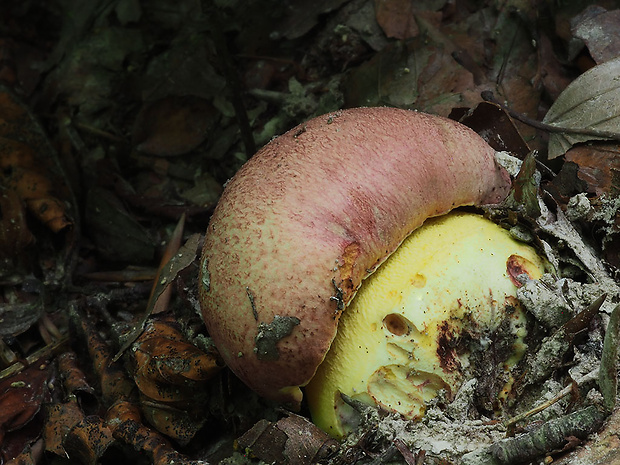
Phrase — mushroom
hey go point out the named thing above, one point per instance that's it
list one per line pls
(310, 216)
(423, 320)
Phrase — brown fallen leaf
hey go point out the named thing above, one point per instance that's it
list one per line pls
(33, 192)
(118, 234)
(88, 440)
(73, 378)
(26, 167)
(123, 418)
(8, 74)
(21, 397)
(165, 360)
(167, 274)
(600, 31)
(495, 126)
(170, 372)
(32, 455)
(160, 303)
(419, 73)
(68, 431)
(115, 384)
(593, 169)
(551, 72)
(180, 424)
(302, 16)
(292, 439)
(173, 125)
(396, 18)
(37, 191)
(61, 417)
(597, 165)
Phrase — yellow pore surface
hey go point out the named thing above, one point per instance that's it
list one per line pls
(401, 339)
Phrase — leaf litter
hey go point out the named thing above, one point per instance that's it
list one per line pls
(598, 28)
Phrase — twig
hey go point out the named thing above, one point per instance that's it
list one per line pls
(489, 97)
(591, 376)
(94, 131)
(549, 436)
(44, 352)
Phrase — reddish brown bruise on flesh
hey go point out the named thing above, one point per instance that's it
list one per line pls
(446, 349)
(516, 266)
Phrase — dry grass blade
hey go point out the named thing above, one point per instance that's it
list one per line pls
(160, 303)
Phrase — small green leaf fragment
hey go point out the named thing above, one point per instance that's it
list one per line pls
(608, 373)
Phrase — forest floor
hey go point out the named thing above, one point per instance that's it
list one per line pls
(120, 123)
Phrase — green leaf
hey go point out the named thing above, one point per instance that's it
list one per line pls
(588, 109)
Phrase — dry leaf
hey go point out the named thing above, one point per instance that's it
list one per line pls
(19, 310)
(173, 125)
(115, 384)
(168, 368)
(118, 234)
(396, 18)
(124, 420)
(170, 373)
(88, 440)
(302, 16)
(74, 381)
(21, 397)
(27, 165)
(60, 419)
(418, 73)
(180, 424)
(290, 440)
(160, 304)
(601, 34)
(32, 455)
(495, 126)
(588, 109)
(181, 260)
(597, 165)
